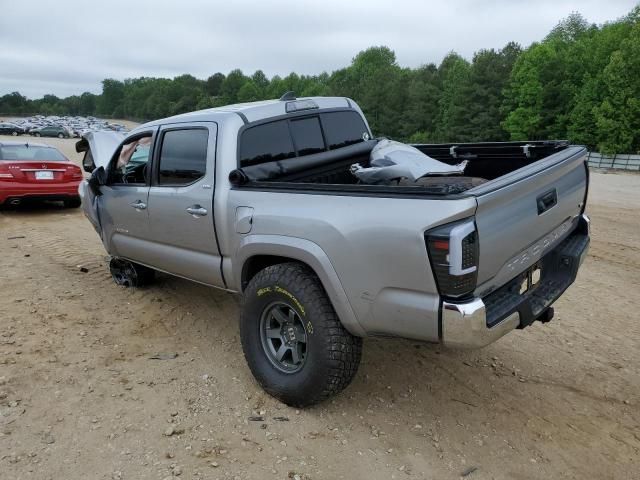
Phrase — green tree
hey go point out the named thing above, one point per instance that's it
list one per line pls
(419, 119)
(214, 82)
(595, 54)
(249, 92)
(618, 116)
(453, 78)
(112, 96)
(378, 84)
(477, 109)
(13, 103)
(231, 85)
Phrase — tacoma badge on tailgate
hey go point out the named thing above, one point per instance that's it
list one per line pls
(535, 251)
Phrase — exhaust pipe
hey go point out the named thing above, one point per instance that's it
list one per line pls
(14, 201)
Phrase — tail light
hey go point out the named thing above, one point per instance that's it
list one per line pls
(5, 174)
(453, 252)
(75, 172)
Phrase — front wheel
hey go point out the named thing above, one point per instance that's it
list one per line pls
(14, 133)
(292, 339)
(130, 274)
(37, 134)
(60, 135)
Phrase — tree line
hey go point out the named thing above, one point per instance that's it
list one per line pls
(581, 82)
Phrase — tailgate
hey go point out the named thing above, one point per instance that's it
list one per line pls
(524, 214)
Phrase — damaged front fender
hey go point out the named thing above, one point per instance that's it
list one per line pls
(98, 148)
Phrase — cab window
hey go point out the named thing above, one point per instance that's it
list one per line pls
(266, 143)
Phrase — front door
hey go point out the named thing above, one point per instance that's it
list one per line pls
(181, 220)
(123, 203)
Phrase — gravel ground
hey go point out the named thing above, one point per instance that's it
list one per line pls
(82, 398)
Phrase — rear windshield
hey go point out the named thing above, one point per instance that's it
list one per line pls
(300, 136)
(30, 153)
(343, 129)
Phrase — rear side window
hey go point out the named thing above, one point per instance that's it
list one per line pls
(307, 136)
(183, 156)
(343, 128)
(266, 143)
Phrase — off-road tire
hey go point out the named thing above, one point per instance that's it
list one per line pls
(332, 353)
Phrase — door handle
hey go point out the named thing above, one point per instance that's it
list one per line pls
(197, 211)
(547, 201)
(138, 205)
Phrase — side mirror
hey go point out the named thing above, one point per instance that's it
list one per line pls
(97, 179)
(87, 162)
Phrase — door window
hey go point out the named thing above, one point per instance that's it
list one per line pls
(183, 156)
(131, 164)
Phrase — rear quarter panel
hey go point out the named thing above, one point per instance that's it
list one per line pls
(375, 245)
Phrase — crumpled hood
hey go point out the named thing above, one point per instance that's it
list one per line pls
(102, 145)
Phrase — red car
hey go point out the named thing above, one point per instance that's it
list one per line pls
(34, 171)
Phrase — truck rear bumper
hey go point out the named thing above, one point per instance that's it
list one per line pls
(481, 321)
(464, 325)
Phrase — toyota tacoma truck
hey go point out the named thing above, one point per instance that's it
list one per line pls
(260, 199)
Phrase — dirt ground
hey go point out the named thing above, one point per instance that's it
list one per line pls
(82, 398)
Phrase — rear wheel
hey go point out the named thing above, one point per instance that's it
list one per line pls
(130, 274)
(60, 135)
(37, 134)
(74, 202)
(292, 339)
(14, 133)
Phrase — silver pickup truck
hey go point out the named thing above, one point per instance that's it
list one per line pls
(259, 199)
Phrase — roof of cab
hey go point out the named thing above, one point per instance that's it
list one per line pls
(252, 112)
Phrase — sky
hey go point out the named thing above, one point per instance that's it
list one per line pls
(69, 49)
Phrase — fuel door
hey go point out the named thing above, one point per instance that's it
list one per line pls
(244, 219)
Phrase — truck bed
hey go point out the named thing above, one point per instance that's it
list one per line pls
(531, 200)
(330, 170)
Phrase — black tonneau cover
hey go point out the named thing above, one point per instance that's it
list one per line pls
(280, 168)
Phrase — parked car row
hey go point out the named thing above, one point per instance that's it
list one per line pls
(54, 126)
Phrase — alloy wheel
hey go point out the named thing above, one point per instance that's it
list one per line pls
(284, 337)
